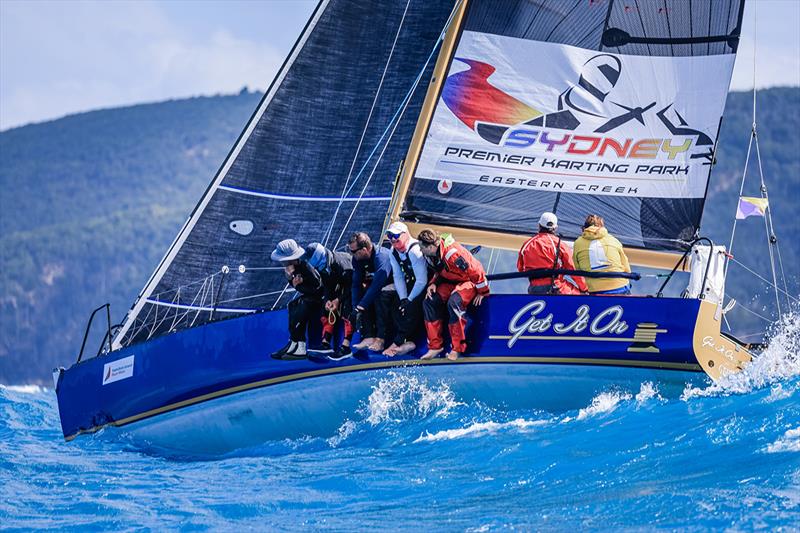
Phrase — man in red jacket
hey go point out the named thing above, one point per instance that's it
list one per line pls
(459, 281)
(546, 250)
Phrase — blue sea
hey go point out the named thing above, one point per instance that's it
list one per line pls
(720, 456)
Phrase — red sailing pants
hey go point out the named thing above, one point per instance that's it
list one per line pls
(450, 300)
(328, 327)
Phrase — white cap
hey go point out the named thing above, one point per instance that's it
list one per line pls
(397, 228)
(548, 220)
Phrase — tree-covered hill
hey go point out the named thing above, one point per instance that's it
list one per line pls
(90, 203)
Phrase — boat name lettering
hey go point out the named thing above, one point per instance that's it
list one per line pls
(529, 320)
(708, 342)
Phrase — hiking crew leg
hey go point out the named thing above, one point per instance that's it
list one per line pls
(367, 326)
(435, 311)
(457, 305)
(409, 323)
(383, 308)
(301, 310)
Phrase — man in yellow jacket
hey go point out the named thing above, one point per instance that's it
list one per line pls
(597, 251)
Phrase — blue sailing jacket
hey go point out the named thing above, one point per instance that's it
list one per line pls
(378, 269)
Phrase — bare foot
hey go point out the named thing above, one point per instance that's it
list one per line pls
(453, 355)
(432, 353)
(406, 347)
(391, 351)
(364, 344)
(376, 346)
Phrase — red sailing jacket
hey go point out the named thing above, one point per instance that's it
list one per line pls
(540, 252)
(459, 266)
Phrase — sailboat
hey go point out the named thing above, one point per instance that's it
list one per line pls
(466, 116)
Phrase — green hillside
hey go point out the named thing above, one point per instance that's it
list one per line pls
(90, 203)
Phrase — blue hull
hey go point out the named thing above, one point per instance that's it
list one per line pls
(218, 384)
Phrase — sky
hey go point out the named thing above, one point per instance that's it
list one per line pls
(62, 57)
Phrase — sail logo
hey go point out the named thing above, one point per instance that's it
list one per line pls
(532, 320)
(118, 370)
(588, 105)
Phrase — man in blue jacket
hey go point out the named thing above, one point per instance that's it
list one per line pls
(372, 290)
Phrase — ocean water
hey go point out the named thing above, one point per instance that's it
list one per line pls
(721, 456)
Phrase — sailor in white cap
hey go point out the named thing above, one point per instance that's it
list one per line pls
(410, 275)
(546, 251)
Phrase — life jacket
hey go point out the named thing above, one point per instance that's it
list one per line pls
(405, 265)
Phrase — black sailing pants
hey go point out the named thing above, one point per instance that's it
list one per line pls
(376, 318)
(302, 310)
(409, 325)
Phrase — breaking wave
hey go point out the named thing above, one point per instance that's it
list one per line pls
(399, 397)
(778, 362)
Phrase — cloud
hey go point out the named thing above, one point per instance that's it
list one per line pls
(58, 58)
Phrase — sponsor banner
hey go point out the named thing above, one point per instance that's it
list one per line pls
(118, 370)
(535, 115)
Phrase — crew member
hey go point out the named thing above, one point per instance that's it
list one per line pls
(459, 280)
(336, 271)
(546, 250)
(307, 301)
(372, 290)
(598, 251)
(410, 277)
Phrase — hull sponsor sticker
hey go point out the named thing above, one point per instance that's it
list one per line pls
(118, 370)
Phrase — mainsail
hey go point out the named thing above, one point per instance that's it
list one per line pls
(317, 160)
(589, 106)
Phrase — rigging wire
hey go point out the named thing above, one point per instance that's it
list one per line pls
(765, 280)
(328, 232)
(393, 126)
(770, 230)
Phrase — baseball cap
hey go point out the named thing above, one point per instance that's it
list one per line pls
(397, 228)
(548, 220)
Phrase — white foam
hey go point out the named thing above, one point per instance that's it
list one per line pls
(780, 361)
(605, 402)
(345, 430)
(405, 396)
(790, 442)
(478, 429)
(647, 391)
(24, 389)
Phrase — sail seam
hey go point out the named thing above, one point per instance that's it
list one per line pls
(298, 198)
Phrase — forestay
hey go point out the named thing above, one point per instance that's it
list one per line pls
(301, 168)
(578, 107)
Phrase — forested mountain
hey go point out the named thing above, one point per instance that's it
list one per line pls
(90, 203)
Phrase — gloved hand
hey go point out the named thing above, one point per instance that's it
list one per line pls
(355, 317)
(405, 303)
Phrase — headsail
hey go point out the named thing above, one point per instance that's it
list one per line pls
(586, 106)
(301, 168)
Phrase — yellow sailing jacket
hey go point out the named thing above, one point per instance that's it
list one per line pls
(595, 250)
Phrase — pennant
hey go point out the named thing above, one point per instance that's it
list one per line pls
(751, 207)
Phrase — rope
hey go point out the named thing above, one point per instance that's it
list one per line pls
(328, 232)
